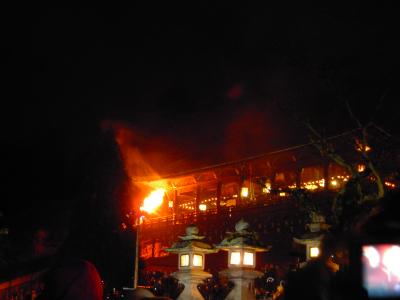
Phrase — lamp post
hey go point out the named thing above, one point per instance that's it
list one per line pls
(191, 252)
(242, 246)
(150, 204)
(137, 255)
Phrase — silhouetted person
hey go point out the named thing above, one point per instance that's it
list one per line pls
(73, 279)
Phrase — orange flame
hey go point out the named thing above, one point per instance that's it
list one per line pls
(153, 201)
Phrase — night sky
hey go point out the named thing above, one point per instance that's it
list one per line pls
(199, 84)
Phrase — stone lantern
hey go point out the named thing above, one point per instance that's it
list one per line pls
(312, 239)
(191, 260)
(242, 246)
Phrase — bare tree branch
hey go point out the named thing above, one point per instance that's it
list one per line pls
(352, 114)
(380, 100)
(326, 149)
(384, 131)
(371, 165)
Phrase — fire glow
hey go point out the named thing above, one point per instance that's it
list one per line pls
(153, 201)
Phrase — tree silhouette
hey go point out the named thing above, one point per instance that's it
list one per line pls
(100, 200)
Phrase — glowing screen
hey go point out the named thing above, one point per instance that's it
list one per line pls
(381, 270)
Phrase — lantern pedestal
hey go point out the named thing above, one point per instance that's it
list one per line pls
(244, 283)
(191, 279)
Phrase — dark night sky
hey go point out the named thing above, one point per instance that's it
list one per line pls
(194, 82)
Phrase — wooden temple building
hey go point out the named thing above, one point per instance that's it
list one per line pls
(258, 189)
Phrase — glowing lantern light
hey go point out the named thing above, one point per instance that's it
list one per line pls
(241, 258)
(334, 182)
(242, 249)
(389, 184)
(314, 252)
(190, 260)
(310, 186)
(191, 252)
(197, 260)
(282, 194)
(248, 258)
(360, 168)
(267, 188)
(170, 203)
(362, 148)
(153, 201)
(245, 192)
(235, 258)
(203, 207)
(184, 260)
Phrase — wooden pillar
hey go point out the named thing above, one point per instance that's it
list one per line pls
(298, 178)
(241, 176)
(272, 180)
(273, 185)
(176, 202)
(219, 193)
(326, 174)
(197, 199)
(251, 187)
(239, 195)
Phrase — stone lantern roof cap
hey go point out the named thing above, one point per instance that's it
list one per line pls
(308, 237)
(192, 232)
(242, 239)
(191, 242)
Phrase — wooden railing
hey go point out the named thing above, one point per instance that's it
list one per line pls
(23, 286)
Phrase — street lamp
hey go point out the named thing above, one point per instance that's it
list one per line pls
(137, 254)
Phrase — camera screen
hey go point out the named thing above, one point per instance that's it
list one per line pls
(381, 270)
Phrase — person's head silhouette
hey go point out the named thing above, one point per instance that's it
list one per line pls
(73, 279)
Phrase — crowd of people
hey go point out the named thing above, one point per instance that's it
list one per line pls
(333, 275)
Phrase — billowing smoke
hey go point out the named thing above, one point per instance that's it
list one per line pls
(247, 134)
(128, 142)
(245, 131)
(145, 157)
(136, 166)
